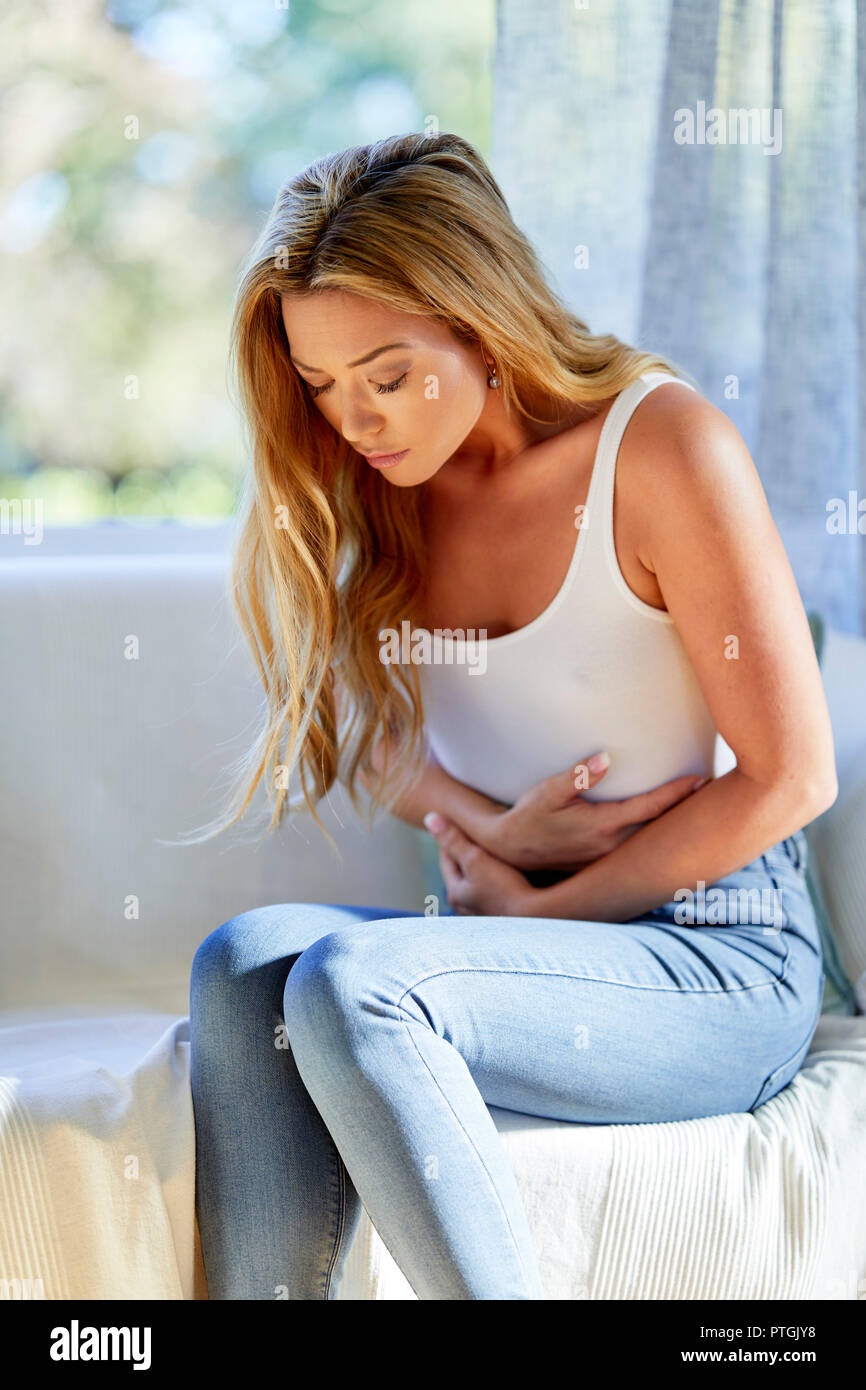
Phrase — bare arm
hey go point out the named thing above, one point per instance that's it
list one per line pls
(475, 813)
(727, 583)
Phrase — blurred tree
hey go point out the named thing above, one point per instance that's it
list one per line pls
(141, 145)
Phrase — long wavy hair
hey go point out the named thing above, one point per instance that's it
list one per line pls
(327, 553)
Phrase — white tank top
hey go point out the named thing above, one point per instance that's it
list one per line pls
(598, 669)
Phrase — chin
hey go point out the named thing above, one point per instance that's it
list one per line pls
(408, 477)
(406, 482)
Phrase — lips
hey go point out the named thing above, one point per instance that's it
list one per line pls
(385, 460)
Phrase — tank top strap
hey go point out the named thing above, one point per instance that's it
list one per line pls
(600, 513)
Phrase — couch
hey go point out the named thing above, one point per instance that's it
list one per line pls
(127, 692)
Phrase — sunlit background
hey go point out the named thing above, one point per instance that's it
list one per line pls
(141, 146)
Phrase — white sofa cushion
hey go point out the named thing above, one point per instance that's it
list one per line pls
(837, 839)
(103, 760)
(840, 842)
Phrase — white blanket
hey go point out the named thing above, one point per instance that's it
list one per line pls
(97, 1158)
(749, 1206)
(97, 1180)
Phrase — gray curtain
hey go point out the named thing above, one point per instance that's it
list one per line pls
(736, 249)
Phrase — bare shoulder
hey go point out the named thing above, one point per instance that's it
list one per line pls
(674, 427)
(681, 459)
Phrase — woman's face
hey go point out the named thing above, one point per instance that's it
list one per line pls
(387, 381)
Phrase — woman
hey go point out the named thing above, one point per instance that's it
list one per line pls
(624, 947)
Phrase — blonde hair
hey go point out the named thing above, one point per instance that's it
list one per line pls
(327, 554)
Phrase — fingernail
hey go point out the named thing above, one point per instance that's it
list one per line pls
(434, 821)
(598, 762)
(700, 782)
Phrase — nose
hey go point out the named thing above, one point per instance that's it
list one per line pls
(361, 425)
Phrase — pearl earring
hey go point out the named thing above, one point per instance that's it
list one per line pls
(494, 379)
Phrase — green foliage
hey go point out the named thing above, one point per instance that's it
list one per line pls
(142, 145)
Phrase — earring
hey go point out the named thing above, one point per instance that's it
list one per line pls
(493, 379)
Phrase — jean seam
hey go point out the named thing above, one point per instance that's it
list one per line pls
(781, 1067)
(800, 851)
(774, 879)
(594, 979)
(336, 1237)
(468, 1136)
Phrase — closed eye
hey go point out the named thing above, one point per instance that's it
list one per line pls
(381, 388)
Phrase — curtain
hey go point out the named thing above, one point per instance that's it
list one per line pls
(693, 177)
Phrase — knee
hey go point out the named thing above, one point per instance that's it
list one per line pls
(320, 973)
(246, 942)
(329, 984)
(223, 952)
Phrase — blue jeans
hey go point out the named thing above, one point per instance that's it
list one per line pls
(338, 1051)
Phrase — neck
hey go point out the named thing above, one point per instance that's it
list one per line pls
(500, 435)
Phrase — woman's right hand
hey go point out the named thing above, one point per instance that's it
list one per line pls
(551, 826)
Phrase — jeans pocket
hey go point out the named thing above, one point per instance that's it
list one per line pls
(786, 1071)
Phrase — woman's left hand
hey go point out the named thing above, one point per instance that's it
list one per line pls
(477, 883)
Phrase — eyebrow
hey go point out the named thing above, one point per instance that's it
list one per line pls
(359, 362)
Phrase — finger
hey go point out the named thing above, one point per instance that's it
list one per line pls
(648, 805)
(452, 839)
(456, 884)
(454, 879)
(449, 866)
(563, 788)
(587, 773)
